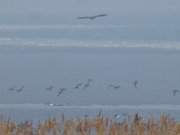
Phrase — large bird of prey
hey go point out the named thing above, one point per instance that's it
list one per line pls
(92, 17)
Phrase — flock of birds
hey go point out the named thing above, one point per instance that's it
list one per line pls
(80, 85)
(77, 86)
(51, 87)
(85, 85)
(16, 89)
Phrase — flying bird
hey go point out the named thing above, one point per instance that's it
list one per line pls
(175, 91)
(50, 88)
(78, 85)
(20, 89)
(92, 17)
(61, 90)
(135, 83)
(87, 84)
(114, 86)
(12, 89)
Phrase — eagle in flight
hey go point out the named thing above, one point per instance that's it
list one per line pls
(92, 17)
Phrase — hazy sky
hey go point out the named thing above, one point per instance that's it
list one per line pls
(18, 9)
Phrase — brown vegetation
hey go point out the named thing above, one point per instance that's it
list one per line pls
(94, 126)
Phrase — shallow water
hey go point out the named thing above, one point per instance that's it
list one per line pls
(41, 112)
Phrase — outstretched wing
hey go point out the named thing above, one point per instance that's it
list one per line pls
(101, 15)
(83, 17)
(92, 17)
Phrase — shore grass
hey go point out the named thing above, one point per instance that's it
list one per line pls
(100, 125)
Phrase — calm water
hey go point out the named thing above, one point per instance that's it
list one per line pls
(37, 57)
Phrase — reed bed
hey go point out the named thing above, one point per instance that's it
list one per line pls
(99, 125)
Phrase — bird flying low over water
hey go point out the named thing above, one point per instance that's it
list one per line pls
(175, 91)
(12, 89)
(50, 88)
(135, 83)
(20, 89)
(114, 86)
(61, 90)
(78, 85)
(92, 17)
(87, 84)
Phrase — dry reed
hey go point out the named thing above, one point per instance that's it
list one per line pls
(99, 125)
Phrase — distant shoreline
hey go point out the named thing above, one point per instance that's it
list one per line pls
(85, 49)
(120, 106)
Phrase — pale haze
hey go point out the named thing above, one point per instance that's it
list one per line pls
(65, 11)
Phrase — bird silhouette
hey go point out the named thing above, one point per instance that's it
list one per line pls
(87, 84)
(175, 91)
(61, 90)
(78, 85)
(114, 86)
(12, 89)
(135, 83)
(92, 17)
(50, 88)
(20, 89)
